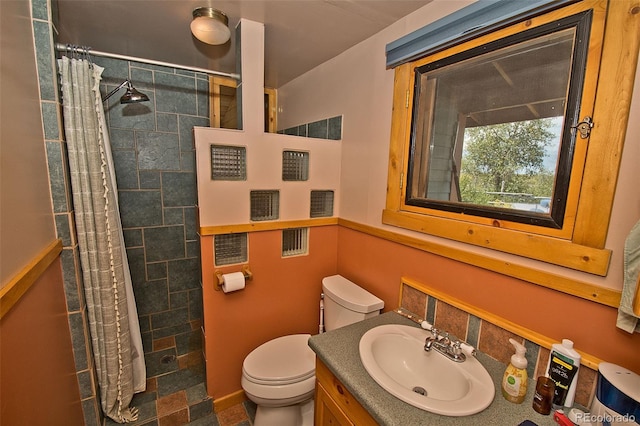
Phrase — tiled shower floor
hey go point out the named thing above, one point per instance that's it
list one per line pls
(179, 397)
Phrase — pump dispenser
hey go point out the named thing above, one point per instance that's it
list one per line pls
(514, 381)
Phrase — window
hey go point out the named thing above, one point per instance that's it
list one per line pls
(321, 203)
(228, 162)
(223, 105)
(493, 139)
(492, 129)
(295, 165)
(265, 204)
(295, 242)
(230, 249)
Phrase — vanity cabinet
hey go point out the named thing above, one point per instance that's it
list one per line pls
(334, 404)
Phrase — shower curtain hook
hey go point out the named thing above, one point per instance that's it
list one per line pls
(87, 55)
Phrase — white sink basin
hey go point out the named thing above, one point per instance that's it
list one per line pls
(395, 358)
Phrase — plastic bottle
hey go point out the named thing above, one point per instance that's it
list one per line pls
(564, 362)
(514, 381)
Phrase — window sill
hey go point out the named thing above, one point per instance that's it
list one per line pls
(546, 249)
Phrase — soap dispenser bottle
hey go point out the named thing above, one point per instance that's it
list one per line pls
(514, 381)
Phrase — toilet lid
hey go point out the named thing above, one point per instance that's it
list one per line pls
(282, 360)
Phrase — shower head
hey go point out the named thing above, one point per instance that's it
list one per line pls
(130, 96)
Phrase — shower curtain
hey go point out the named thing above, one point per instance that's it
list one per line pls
(113, 319)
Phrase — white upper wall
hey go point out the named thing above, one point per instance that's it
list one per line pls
(227, 202)
(357, 85)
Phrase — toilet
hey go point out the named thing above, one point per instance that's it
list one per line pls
(279, 375)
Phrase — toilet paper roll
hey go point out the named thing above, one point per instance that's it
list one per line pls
(233, 282)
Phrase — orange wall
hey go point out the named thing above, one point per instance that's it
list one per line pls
(38, 380)
(378, 265)
(282, 298)
(39, 385)
(26, 219)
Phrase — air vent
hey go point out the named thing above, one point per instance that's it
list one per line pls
(265, 205)
(321, 204)
(295, 166)
(294, 242)
(230, 248)
(228, 162)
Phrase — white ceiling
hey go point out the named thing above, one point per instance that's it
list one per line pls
(299, 34)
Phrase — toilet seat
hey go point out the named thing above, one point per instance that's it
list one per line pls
(281, 361)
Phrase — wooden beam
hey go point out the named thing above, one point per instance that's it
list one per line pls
(18, 285)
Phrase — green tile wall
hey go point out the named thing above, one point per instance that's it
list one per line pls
(154, 158)
(44, 14)
(329, 128)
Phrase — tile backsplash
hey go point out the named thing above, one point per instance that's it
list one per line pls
(488, 337)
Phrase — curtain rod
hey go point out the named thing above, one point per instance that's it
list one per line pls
(87, 50)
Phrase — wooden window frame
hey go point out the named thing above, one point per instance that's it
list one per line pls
(271, 111)
(580, 244)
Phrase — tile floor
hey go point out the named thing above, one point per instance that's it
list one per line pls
(179, 397)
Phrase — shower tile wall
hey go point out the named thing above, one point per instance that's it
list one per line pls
(44, 21)
(154, 157)
(329, 128)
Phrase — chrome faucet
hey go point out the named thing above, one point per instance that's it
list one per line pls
(428, 343)
(444, 345)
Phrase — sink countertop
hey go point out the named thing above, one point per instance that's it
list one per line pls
(338, 350)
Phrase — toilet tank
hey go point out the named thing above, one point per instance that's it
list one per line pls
(346, 303)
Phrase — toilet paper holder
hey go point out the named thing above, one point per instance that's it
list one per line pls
(248, 275)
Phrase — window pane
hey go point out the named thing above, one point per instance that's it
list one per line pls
(488, 124)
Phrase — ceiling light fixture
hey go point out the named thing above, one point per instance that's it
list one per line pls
(210, 25)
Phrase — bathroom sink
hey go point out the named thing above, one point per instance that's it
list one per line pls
(395, 358)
